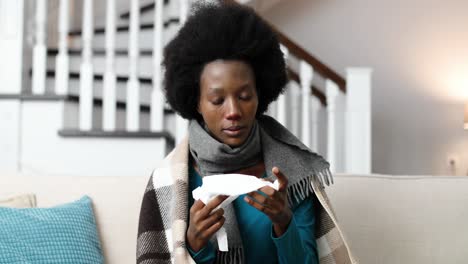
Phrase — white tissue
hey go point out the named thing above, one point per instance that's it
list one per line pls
(231, 185)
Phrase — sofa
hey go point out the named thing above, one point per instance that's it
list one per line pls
(385, 219)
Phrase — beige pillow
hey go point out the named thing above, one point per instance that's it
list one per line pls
(20, 201)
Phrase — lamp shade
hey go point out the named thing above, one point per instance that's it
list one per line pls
(466, 117)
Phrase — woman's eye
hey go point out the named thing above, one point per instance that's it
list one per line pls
(217, 101)
(245, 97)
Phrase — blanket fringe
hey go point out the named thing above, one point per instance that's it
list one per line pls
(234, 255)
(303, 188)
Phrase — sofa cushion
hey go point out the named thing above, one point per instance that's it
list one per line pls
(19, 201)
(62, 234)
(403, 219)
(116, 204)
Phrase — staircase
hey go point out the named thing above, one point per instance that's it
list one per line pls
(56, 135)
(95, 106)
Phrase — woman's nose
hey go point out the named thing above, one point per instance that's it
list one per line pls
(233, 111)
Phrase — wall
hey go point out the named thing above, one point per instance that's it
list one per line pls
(419, 52)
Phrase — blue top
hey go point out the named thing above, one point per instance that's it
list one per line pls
(296, 245)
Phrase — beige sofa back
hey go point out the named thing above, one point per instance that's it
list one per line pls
(116, 202)
(404, 219)
(387, 219)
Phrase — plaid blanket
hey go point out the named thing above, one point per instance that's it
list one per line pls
(164, 216)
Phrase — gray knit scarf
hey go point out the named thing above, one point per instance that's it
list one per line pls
(269, 141)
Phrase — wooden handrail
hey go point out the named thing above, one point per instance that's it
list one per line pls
(313, 89)
(316, 64)
(302, 54)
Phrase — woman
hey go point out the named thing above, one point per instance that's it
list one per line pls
(223, 69)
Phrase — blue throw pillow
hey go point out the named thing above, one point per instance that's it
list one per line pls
(62, 234)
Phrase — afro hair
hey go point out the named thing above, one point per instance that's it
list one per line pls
(221, 31)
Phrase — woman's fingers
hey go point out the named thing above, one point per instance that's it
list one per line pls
(268, 191)
(205, 211)
(266, 197)
(272, 202)
(261, 207)
(283, 181)
(204, 222)
(201, 230)
(197, 206)
(258, 197)
(211, 220)
(214, 228)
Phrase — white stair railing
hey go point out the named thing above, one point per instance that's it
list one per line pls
(86, 68)
(181, 128)
(306, 75)
(315, 106)
(157, 96)
(133, 84)
(348, 115)
(62, 60)
(272, 109)
(12, 20)
(110, 78)
(39, 51)
(281, 111)
(358, 121)
(336, 126)
(296, 108)
(184, 8)
(181, 124)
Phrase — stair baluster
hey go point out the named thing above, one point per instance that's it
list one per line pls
(110, 79)
(296, 110)
(86, 69)
(39, 51)
(133, 84)
(281, 102)
(272, 109)
(62, 60)
(358, 121)
(335, 108)
(181, 124)
(157, 96)
(316, 105)
(306, 75)
(184, 7)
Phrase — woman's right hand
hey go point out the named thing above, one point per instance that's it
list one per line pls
(204, 223)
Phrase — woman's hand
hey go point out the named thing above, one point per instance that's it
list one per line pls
(275, 204)
(204, 223)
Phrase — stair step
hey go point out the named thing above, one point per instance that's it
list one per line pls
(98, 52)
(145, 38)
(70, 110)
(75, 99)
(72, 95)
(33, 97)
(120, 104)
(143, 9)
(45, 151)
(126, 28)
(100, 77)
(145, 63)
(117, 134)
(146, 87)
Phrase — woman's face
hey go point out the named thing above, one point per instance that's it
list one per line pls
(228, 100)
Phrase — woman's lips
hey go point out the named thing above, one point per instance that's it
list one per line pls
(234, 130)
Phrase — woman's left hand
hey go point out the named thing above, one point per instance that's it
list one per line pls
(275, 204)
